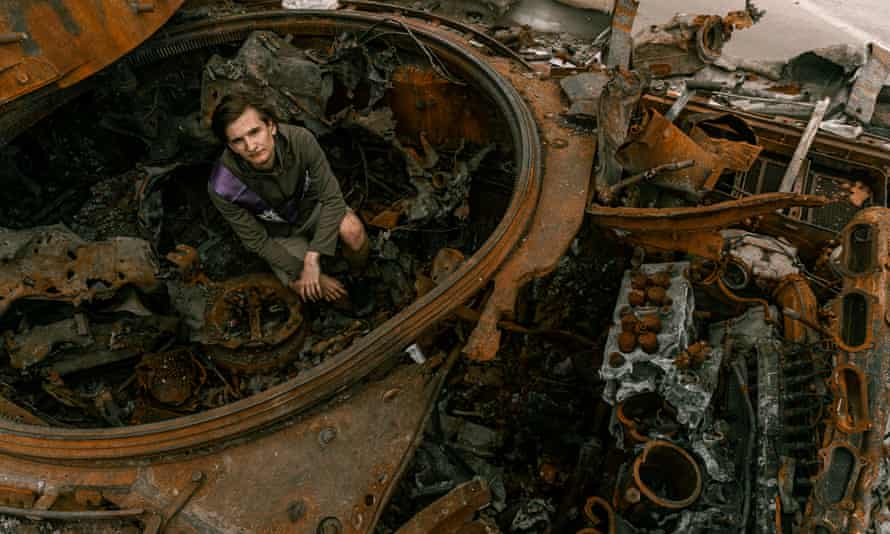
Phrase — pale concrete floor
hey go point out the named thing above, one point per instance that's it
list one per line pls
(789, 28)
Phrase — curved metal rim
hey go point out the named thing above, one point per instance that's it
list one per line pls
(221, 425)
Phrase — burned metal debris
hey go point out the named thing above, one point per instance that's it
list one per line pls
(639, 297)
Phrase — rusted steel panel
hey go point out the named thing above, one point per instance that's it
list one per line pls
(659, 142)
(451, 513)
(559, 214)
(52, 263)
(686, 43)
(418, 97)
(852, 453)
(622, 43)
(868, 85)
(700, 218)
(692, 230)
(65, 41)
(616, 105)
(366, 438)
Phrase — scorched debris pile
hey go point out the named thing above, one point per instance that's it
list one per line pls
(138, 304)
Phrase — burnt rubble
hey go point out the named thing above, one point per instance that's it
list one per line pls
(691, 342)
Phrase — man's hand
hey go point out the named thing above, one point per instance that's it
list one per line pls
(308, 286)
(313, 285)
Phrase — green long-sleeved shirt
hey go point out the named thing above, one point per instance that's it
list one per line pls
(296, 152)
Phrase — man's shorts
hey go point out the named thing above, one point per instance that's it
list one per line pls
(297, 244)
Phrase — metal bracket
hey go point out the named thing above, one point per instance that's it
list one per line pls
(159, 520)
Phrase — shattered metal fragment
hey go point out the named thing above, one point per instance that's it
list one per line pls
(621, 43)
(584, 91)
(868, 84)
(686, 43)
(52, 263)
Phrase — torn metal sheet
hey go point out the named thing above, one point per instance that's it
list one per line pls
(851, 478)
(53, 263)
(29, 347)
(868, 84)
(616, 107)
(695, 229)
(294, 87)
(621, 43)
(658, 142)
(686, 43)
(64, 42)
(451, 513)
(583, 91)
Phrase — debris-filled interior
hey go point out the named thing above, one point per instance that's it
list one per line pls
(126, 299)
(706, 356)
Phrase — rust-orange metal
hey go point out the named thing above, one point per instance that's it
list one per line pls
(658, 142)
(852, 451)
(694, 230)
(559, 214)
(62, 42)
(426, 102)
(56, 266)
(452, 513)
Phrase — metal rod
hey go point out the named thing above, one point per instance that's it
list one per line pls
(803, 148)
(71, 516)
(12, 37)
(651, 173)
(679, 104)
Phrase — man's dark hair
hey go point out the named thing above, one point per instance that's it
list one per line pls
(230, 108)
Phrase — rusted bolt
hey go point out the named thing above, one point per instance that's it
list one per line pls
(12, 37)
(636, 297)
(197, 476)
(629, 323)
(632, 495)
(648, 342)
(616, 359)
(145, 6)
(656, 295)
(391, 394)
(296, 510)
(651, 323)
(329, 525)
(326, 436)
(627, 341)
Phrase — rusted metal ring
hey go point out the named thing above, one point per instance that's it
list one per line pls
(663, 450)
(142, 443)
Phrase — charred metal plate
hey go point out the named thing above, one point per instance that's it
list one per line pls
(53, 263)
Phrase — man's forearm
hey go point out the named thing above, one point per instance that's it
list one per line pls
(311, 258)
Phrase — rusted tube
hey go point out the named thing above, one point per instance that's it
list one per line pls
(71, 516)
(795, 293)
(597, 518)
(667, 475)
(851, 399)
(12, 37)
(735, 298)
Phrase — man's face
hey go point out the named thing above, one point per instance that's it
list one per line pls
(253, 139)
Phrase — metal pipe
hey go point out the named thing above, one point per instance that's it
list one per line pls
(71, 516)
(12, 37)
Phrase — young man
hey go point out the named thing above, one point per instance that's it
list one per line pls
(275, 187)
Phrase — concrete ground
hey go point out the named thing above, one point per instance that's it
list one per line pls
(789, 27)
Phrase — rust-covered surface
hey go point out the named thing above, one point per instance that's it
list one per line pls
(63, 42)
(851, 450)
(55, 264)
(722, 373)
(283, 481)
